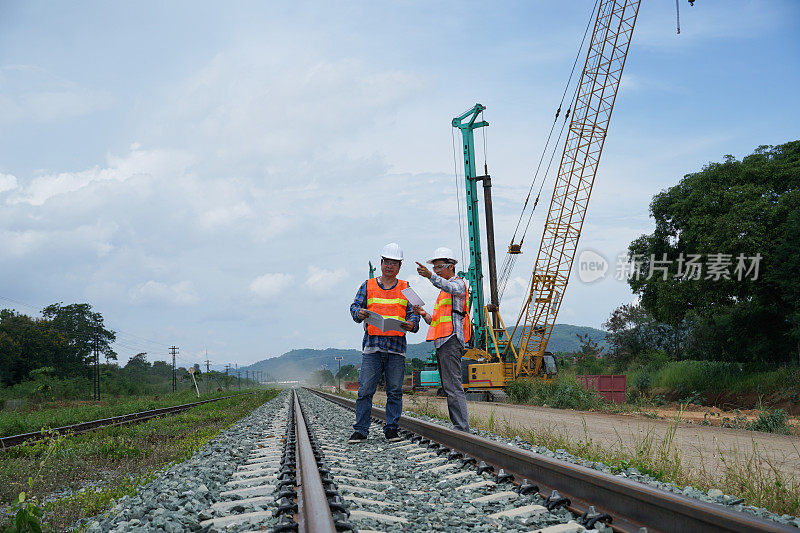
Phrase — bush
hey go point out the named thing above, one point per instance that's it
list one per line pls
(771, 422)
(563, 393)
(650, 361)
(57, 389)
(642, 383)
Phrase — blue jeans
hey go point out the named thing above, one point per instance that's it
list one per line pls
(373, 365)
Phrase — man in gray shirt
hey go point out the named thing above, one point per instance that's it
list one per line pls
(449, 330)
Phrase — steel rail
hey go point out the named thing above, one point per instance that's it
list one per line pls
(632, 505)
(85, 427)
(313, 511)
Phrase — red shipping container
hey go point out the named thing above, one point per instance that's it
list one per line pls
(610, 387)
(351, 385)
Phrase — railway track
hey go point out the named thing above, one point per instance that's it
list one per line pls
(84, 427)
(287, 467)
(622, 504)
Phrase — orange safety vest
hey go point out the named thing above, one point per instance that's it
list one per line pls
(442, 320)
(389, 303)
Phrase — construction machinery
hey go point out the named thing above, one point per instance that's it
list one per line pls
(492, 360)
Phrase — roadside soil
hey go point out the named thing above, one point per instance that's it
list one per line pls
(704, 448)
(707, 416)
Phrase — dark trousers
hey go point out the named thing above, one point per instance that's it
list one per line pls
(448, 356)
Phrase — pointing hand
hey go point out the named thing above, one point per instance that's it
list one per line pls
(423, 271)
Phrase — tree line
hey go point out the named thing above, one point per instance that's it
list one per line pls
(739, 223)
(64, 339)
(52, 358)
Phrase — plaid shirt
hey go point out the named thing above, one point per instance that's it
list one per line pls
(381, 343)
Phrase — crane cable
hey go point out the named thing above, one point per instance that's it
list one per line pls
(458, 195)
(510, 259)
(555, 119)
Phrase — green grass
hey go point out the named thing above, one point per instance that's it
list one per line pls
(563, 393)
(114, 460)
(67, 413)
(722, 377)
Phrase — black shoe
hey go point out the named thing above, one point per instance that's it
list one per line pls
(356, 437)
(392, 436)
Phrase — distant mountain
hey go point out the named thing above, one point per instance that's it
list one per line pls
(564, 337)
(298, 364)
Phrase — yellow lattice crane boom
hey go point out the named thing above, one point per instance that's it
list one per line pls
(492, 360)
(596, 93)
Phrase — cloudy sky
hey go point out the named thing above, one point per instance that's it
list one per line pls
(217, 175)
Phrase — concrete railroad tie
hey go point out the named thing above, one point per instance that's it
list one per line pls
(355, 515)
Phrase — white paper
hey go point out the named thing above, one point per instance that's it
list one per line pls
(374, 319)
(392, 324)
(383, 323)
(413, 297)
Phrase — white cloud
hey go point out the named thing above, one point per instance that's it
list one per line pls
(282, 122)
(7, 182)
(323, 280)
(20, 243)
(270, 285)
(161, 164)
(32, 94)
(182, 293)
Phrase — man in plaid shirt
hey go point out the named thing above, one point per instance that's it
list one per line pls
(384, 353)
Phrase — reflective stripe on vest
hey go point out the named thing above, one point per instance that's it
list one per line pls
(387, 303)
(442, 320)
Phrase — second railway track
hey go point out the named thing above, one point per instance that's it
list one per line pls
(85, 427)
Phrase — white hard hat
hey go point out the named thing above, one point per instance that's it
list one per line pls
(443, 253)
(392, 251)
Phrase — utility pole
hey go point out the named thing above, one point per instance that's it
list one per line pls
(246, 374)
(208, 374)
(238, 377)
(174, 352)
(96, 380)
(227, 368)
(339, 373)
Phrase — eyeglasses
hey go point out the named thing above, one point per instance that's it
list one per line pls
(439, 268)
(391, 263)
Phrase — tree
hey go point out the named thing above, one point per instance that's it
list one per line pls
(347, 373)
(321, 377)
(588, 358)
(138, 363)
(27, 344)
(749, 211)
(632, 332)
(162, 369)
(83, 328)
(417, 364)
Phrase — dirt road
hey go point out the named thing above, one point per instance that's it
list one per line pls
(702, 447)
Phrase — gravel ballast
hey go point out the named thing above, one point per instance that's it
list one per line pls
(715, 496)
(407, 485)
(181, 497)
